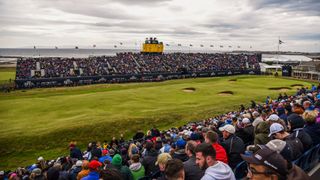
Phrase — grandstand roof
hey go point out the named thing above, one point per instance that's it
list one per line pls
(284, 58)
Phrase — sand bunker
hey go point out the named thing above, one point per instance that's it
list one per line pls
(226, 93)
(232, 80)
(297, 86)
(280, 89)
(189, 90)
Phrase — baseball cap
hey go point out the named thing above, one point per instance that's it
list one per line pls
(104, 152)
(246, 121)
(281, 147)
(229, 128)
(273, 117)
(79, 163)
(181, 143)
(275, 128)
(94, 164)
(268, 158)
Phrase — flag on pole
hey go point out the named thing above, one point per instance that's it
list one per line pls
(115, 46)
(221, 46)
(34, 47)
(121, 43)
(201, 45)
(211, 45)
(280, 42)
(179, 44)
(191, 45)
(94, 46)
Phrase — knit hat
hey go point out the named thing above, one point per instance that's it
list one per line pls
(281, 147)
(104, 152)
(181, 143)
(116, 160)
(295, 121)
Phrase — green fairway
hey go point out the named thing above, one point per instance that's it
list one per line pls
(43, 121)
(7, 73)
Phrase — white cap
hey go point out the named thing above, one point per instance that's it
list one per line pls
(229, 128)
(79, 163)
(246, 121)
(273, 117)
(40, 158)
(275, 128)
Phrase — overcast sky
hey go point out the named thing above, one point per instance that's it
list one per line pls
(244, 23)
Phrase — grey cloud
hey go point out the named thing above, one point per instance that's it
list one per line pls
(308, 7)
(142, 2)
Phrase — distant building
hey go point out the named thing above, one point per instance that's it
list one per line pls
(307, 70)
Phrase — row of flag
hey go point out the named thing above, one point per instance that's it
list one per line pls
(191, 45)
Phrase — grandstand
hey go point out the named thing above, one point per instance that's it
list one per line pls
(130, 67)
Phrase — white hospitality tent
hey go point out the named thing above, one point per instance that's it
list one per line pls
(284, 58)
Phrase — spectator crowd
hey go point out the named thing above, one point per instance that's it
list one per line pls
(133, 64)
(267, 136)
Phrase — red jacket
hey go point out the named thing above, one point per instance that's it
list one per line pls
(221, 154)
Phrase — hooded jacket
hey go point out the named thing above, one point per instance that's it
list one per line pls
(295, 173)
(261, 133)
(314, 131)
(219, 171)
(234, 146)
(137, 170)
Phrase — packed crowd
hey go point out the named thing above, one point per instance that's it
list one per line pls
(267, 136)
(133, 63)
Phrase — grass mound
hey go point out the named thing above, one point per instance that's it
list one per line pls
(42, 122)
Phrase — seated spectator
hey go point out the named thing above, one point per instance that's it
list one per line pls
(85, 170)
(110, 174)
(282, 148)
(273, 118)
(75, 170)
(174, 170)
(268, 164)
(211, 138)
(247, 131)
(150, 159)
(192, 170)
(277, 132)
(94, 166)
(296, 124)
(105, 157)
(206, 160)
(261, 136)
(124, 170)
(233, 145)
(311, 127)
(136, 167)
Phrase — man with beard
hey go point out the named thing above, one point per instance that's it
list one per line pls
(206, 160)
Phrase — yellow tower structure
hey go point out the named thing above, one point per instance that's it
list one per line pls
(152, 45)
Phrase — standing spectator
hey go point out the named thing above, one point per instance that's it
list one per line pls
(124, 170)
(150, 159)
(75, 152)
(212, 138)
(75, 170)
(105, 157)
(192, 171)
(206, 160)
(179, 152)
(174, 170)
(233, 145)
(161, 162)
(136, 167)
(85, 170)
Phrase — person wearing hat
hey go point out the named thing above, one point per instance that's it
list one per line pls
(75, 170)
(274, 118)
(94, 166)
(261, 133)
(206, 160)
(295, 126)
(105, 157)
(124, 170)
(233, 145)
(277, 132)
(268, 164)
(75, 152)
(36, 174)
(192, 171)
(179, 152)
(247, 132)
(85, 170)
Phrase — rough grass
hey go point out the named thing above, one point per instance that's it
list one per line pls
(7, 73)
(43, 121)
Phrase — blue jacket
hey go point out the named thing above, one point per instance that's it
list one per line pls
(93, 175)
(103, 158)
